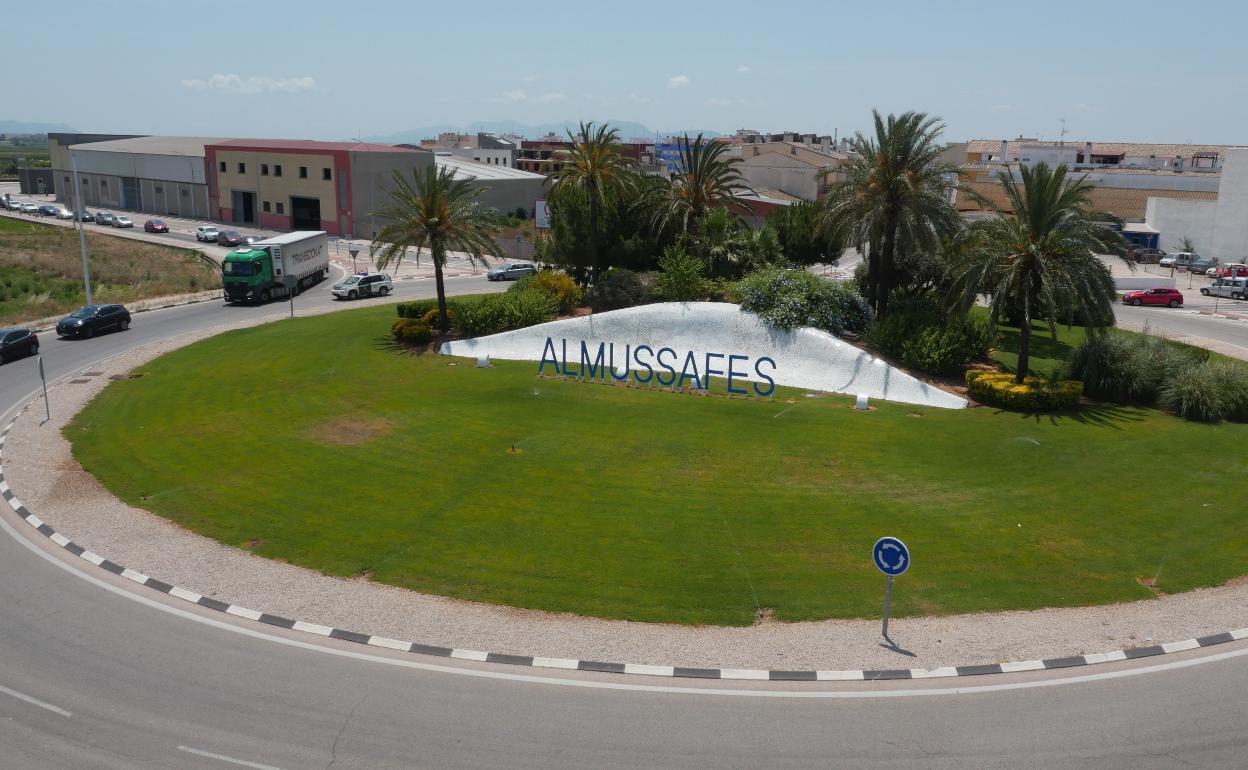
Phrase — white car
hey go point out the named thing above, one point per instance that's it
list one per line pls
(28, 208)
(122, 221)
(64, 213)
(363, 285)
(207, 233)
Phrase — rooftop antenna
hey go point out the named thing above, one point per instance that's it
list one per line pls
(1062, 140)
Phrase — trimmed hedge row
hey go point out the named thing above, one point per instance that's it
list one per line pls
(411, 331)
(1034, 394)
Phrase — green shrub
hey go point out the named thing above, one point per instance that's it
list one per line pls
(560, 286)
(411, 331)
(682, 276)
(925, 336)
(434, 319)
(1195, 393)
(416, 308)
(1035, 394)
(618, 288)
(791, 298)
(503, 312)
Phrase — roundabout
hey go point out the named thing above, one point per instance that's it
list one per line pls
(346, 707)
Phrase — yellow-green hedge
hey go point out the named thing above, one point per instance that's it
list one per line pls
(411, 331)
(1034, 394)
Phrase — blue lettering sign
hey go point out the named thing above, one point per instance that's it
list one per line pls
(644, 365)
(554, 359)
(649, 369)
(733, 373)
(684, 372)
(770, 382)
(668, 367)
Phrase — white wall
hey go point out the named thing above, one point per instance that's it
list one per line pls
(1178, 219)
(1218, 229)
(1230, 239)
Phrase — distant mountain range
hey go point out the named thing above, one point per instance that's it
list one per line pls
(628, 130)
(20, 127)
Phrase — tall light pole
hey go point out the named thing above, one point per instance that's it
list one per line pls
(82, 235)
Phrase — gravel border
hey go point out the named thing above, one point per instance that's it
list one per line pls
(38, 461)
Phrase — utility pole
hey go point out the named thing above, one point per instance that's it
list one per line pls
(82, 235)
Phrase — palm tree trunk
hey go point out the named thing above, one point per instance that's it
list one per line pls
(444, 321)
(884, 272)
(1024, 340)
(593, 240)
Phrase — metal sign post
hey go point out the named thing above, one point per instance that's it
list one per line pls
(354, 251)
(892, 558)
(46, 408)
(291, 282)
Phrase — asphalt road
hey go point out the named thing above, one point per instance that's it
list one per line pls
(98, 673)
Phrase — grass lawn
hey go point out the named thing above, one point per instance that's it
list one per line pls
(314, 442)
(41, 270)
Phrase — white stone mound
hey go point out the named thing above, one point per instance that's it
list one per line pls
(691, 338)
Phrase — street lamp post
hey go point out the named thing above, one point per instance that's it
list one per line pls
(82, 235)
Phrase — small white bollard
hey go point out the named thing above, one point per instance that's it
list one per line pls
(861, 403)
(483, 361)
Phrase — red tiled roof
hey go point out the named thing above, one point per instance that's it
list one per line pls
(309, 145)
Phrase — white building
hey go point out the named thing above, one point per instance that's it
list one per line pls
(1218, 228)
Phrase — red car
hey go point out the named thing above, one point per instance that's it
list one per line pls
(1167, 297)
(155, 226)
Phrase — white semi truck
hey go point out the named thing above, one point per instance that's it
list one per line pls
(272, 268)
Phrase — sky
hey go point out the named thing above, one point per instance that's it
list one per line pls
(1144, 71)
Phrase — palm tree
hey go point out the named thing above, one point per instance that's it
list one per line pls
(593, 167)
(434, 210)
(705, 178)
(1041, 259)
(892, 195)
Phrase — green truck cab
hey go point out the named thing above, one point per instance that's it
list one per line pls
(275, 267)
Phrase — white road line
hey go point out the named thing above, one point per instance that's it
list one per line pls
(229, 760)
(35, 701)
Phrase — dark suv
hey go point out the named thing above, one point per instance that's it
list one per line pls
(93, 319)
(15, 343)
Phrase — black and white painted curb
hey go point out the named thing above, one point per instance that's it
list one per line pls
(586, 665)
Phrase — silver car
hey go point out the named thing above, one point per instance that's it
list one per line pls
(122, 221)
(512, 272)
(104, 218)
(1233, 288)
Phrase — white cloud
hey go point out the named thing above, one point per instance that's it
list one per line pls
(679, 81)
(630, 98)
(530, 78)
(722, 102)
(255, 84)
(520, 95)
(744, 69)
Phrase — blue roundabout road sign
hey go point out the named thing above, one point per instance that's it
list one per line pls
(891, 556)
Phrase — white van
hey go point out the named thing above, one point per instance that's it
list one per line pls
(1181, 259)
(1235, 288)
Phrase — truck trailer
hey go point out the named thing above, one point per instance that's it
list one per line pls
(273, 268)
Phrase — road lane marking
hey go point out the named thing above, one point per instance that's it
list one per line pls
(35, 701)
(224, 758)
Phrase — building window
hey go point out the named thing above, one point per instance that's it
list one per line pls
(277, 169)
(303, 172)
(159, 189)
(242, 168)
(221, 167)
(66, 180)
(325, 174)
(281, 208)
(265, 206)
(104, 183)
(264, 169)
(186, 193)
